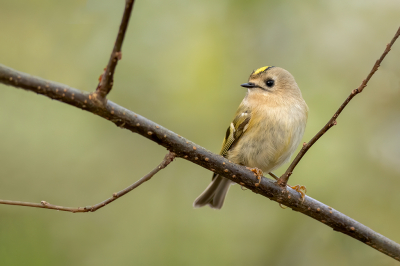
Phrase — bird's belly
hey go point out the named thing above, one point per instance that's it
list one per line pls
(268, 147)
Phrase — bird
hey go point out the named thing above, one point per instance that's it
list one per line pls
(266, 130)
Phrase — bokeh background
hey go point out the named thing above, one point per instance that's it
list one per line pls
(183, 62)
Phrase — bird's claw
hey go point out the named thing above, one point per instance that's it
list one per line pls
(257, 172)
(301, 189)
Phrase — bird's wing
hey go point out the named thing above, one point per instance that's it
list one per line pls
(235, 130)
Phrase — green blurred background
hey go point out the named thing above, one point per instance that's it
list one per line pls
(183, 62)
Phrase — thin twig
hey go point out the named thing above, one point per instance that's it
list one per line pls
(107, 79)
(332, 122)
(194, 153)
(166, 161)
(44, 204)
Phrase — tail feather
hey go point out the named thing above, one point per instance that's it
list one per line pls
(214, 194)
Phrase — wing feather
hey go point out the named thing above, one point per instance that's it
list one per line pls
(235, 130)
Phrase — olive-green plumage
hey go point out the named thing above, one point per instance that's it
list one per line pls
(266, 130)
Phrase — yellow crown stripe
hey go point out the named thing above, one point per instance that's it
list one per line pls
(261, 69)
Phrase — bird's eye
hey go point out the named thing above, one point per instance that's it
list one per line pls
(270, 83)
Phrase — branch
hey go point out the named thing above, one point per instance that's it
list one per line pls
(44, 204)
(282, 181)
(107, 79)
(192, 152)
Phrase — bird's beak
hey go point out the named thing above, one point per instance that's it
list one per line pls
(249, 85)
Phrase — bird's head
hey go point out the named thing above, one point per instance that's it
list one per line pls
(271, 81)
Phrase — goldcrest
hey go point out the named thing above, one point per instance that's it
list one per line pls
(268, 126)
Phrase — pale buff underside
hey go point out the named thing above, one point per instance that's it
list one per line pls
(274, 132)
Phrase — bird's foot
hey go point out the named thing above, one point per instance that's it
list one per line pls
(257, 172)
(301, 189)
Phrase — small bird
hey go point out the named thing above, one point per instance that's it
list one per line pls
(268, 126)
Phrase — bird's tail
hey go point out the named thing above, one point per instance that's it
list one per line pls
(214, 194)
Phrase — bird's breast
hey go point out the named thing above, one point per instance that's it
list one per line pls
(271, 138)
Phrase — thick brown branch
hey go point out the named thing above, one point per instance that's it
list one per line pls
(107, 80)
(44, 204)
(192, 152)
(282, 181)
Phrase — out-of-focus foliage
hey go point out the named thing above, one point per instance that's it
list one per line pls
(182, 65)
